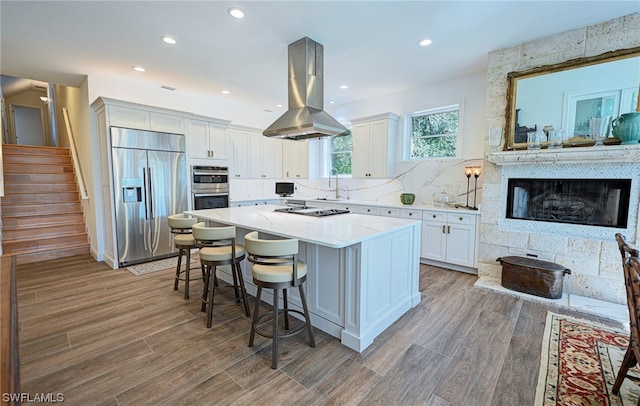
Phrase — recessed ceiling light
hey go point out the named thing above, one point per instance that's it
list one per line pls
(225, 92)
(138, 69)
(169, 40)
(344, 87)
(279, 106)
(425, 42)
(332, 102)
(236, 13)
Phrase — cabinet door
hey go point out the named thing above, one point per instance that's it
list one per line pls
(218, 142)
(128, 118)
(461, 240)
(360, 168)
(295, 156)
(197, 139)
(379, 149)
(166, 123)
(240, 146)
(271, 157)
(433, 241)
(255, 156)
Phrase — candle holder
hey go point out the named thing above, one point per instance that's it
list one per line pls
(467, 172)
(477, 170)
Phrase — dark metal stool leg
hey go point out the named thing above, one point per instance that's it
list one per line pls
(243, 291)
(187, 277)
(205, 293)
(274, 341)
(286, 308)
(212, 290)
(252, 335)
(303, 299)
(175, 284)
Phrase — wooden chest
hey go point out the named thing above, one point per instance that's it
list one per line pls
(533, 276)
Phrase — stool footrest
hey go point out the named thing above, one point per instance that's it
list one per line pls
(290, 332)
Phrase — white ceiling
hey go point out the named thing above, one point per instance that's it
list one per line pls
(369, 45)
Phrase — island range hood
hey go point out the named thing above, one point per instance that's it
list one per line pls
(306, 117)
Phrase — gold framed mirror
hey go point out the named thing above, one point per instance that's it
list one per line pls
(566, 95)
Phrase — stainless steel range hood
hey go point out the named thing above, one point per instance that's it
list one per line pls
(306, 117)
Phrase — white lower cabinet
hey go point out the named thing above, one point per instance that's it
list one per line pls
(449, 237)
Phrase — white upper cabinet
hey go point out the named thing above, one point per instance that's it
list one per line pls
(301, 159)
(207, 141)
(265, 156)
(240, 148)
(373, 146)
(166, 123)
(139, 119)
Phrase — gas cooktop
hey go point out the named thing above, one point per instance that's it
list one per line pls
(311, 211)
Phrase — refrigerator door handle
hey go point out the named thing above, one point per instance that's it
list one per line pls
(152, 216)
(146, 194)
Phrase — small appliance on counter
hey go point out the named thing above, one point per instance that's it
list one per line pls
(284, 189)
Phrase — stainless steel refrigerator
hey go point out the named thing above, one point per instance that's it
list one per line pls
(150, 183)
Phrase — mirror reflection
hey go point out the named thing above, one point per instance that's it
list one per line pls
(570, 96)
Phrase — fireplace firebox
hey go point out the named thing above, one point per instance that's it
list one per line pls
(592, 202)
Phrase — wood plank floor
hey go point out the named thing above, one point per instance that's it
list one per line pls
(107, 337)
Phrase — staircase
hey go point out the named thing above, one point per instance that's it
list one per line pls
(42, 214)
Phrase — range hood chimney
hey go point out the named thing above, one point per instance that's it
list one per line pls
(306, 117)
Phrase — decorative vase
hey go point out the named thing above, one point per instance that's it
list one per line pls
(627, 128)
(407, 198)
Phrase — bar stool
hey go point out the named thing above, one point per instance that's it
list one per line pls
(276, 266)
(218, 247)
(180, 225)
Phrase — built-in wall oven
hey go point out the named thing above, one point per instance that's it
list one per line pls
(209, 187)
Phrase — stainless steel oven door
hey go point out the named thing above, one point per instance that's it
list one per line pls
(210, 200)
(211, 179)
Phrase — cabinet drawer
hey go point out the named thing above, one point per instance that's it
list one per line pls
(369, 210)
(389, 212)
(411, 214)
(461, 218)
(439, 216)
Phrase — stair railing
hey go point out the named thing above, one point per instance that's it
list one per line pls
(74, 154)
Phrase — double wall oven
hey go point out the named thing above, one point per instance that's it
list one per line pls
(209, 187)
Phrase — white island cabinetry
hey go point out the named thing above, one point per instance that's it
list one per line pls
(362, 276)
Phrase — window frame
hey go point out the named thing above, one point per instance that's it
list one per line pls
(436, 110)
(327, 148)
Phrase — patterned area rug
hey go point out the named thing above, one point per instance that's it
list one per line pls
(579, 364)
(161, 265)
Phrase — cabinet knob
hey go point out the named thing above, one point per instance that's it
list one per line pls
(410, 214)
(389, 212)
(460, 218)
(434, 216)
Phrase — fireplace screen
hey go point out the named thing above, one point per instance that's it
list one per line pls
(594, 202)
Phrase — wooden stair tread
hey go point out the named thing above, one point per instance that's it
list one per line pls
(42, 214)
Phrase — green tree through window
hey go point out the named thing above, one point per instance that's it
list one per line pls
(434, 133)
(341, 149)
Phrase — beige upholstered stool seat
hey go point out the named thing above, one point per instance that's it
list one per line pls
(180, 225)
(218, 247)
(185, 240)
(220, 253)
(276, 266)
(278, 273)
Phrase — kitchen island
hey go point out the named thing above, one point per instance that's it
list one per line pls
(363, 270)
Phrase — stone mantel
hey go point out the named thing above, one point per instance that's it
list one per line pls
(610, 154)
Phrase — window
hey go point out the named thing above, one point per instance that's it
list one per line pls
(434, 133)
(341, 149)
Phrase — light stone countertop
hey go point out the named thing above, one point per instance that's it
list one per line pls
(337, 231)
(318, 203)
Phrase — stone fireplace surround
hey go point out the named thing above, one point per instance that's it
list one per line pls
(594, 259)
